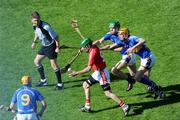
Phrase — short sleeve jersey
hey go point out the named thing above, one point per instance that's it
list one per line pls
(141, 51)
(96, 60)
(113, 38)
(48, 38)
(26, 98)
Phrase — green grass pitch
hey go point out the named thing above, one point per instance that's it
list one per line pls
(157, 21)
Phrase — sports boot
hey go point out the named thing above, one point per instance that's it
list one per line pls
(85, 109)
(40, 84)
(159, 94)
(59, 86)
(126, 109)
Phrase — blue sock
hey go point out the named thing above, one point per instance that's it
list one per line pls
(130, 80)
(146, 81)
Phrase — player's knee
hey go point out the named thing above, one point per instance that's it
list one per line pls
(54, 66)
(36, 62)
(107, 93)
(114, 70)
(133, 74)
(57, 70)
(147, 74)
(85, 85)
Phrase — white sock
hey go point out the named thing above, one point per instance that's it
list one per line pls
(60, 84)
(43, 80)
(87, 106)
(125, 107)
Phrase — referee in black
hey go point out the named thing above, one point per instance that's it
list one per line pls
(50, 48)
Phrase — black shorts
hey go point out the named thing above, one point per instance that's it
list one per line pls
(92, 81)
(48, 51)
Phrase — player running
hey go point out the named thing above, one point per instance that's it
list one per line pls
(26, 98)
(137, 45)
(128, 61)
(50, 47)
(101, 75)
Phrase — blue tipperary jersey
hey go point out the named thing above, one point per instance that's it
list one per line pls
(115, 39)
(26, 98)
(142, 51)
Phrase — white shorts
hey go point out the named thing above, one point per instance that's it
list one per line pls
(103, 77)
(148, 62)
(32, 116)
(129, 59)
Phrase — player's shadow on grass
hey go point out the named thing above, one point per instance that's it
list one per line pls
(74, 81)
(84, 77)
(112, 77)
(66, 82)
(73, 86)
(115, 78)
(173, 96)
(69, 86)
(65, 86)
(104, 109)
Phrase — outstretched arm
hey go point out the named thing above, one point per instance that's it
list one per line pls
(100, 41)
(118, 49)
(109, 47)
(85, 70)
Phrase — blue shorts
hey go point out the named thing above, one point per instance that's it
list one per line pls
(149, 61)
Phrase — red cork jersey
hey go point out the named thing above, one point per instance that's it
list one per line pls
(96, 61)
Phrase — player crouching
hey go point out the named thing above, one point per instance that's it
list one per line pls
(101, 75)
(25, 99)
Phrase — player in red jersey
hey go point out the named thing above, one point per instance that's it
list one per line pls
(100, 75)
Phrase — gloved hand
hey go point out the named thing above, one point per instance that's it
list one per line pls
(67, 66)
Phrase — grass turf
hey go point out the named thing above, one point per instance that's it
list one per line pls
(156, 21)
